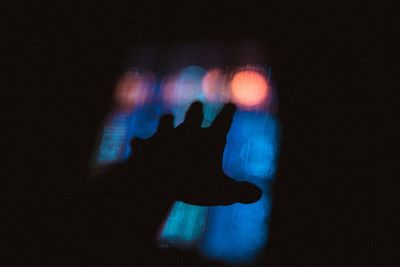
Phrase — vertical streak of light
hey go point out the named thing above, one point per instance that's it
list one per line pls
(113, 138)
(237, 233)
(184, 225)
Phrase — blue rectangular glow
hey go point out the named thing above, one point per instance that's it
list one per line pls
(237, 233)
(113, 139)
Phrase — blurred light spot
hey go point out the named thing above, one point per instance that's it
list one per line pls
(134, 88)
(185, 88)
(249, 88)
(168, 89)
(214, 86)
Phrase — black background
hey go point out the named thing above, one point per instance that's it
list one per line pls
(334, 68)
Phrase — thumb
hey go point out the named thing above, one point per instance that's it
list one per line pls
(246, 192)
(222, 192)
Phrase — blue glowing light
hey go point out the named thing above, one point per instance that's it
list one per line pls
(237, 233)
(143, 124)
(114, 137)
(251, 147)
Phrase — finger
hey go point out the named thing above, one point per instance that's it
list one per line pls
(166, 123)
(223, 121)
(194, 115)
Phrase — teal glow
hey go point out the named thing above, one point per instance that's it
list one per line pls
(114, 136)
(210, 111)
(185, 224)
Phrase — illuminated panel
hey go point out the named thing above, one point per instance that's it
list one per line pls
(143, 124)
(113, 139)
(238, 233)
(185, 225)
(251, 149)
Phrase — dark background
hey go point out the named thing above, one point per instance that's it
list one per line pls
(334, 67)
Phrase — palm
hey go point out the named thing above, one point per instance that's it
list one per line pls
(185, 163)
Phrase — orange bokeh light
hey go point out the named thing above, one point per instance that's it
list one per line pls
(249, 88)
(134, 88)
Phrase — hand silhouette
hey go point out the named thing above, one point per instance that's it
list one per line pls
(128, 203)
(185, 163)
